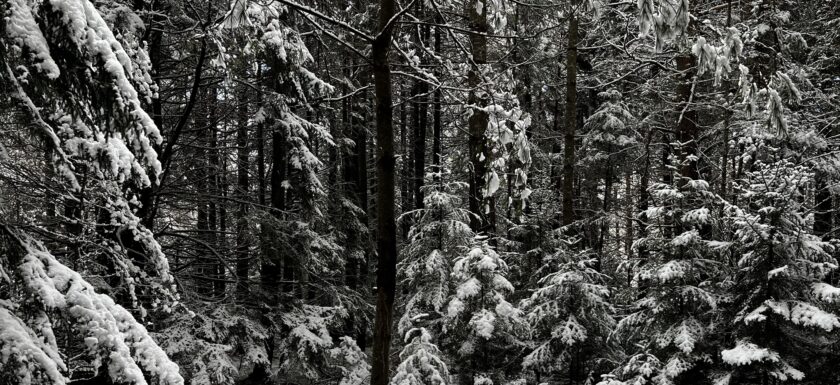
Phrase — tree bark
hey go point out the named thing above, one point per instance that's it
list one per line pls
(570, 121)
(386, 243)
(420, 149)
(483, 207)
(270, 268)
(437, 118)
(214, 201)
(405, 177)
(421, 118)
(687, 131)
(642, 206)
(824, 207)
(628, 204)
(260, 142)
(242, 189)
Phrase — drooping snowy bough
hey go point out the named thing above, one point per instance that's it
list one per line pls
(78, 87)
(49, 293)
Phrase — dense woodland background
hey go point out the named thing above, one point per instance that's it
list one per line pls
(419, 192)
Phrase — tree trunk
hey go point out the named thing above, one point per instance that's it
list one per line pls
(420, 148)
(687, 131)
(221, 241)
(724, 164)
(271, 264)
(405, 178)
(154, 38)
(824, 207)
(603, 233)
(437, 119)
(260, 141)
(421, 115)
(483, 207)
(628, 204)
(386, 243)
(214, 201)
(242, 188)
(642, 206)
(571, 122)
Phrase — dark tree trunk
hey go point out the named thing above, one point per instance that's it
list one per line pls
(628, 204)
(73, 209)
(437, 118)
(242, 189)
(603, 233)
(148, 196)
(420, 148)
(201, 177)
(421, 119)
(483, 207)
(687, 131)
(570, 122)
(724, 164)
(260, 142)
(405, 177)
(271, 265)
(214, 201)
(221, 241)
(154, 38)
(386, 243)
(824, 207)
(642, 206)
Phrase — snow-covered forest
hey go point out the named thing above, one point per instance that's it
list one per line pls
(419, 192)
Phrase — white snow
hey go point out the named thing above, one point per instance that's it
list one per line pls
(777, 271)
(493, 184)
(24, 353)
(107, 327)
(826, 292)
(469, 288)
(674, 269)
(745, 353)
(483, 323)
(421, 362)
(570, 332)
(22, 28)
(686, 238)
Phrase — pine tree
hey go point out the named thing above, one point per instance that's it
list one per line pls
(780, 302)
(420, 361)
(99, 142)
(482, 327)
(674, 321)
(438, 235)
(570, 316)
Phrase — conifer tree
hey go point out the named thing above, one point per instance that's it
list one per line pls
(482, 327)
(674, 321)
(421, 361)
(781, 306)
(570, 316)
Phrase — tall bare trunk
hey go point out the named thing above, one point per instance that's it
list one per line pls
(386, 243)
(215, 201)
(242, 189)
(483, 207)
(260, 142)
(687, 130)
(421, 106)
(405, 156)
(270, 269)
(437, 118)
(571, 122)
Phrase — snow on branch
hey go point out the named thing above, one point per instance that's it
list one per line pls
(110, 332)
